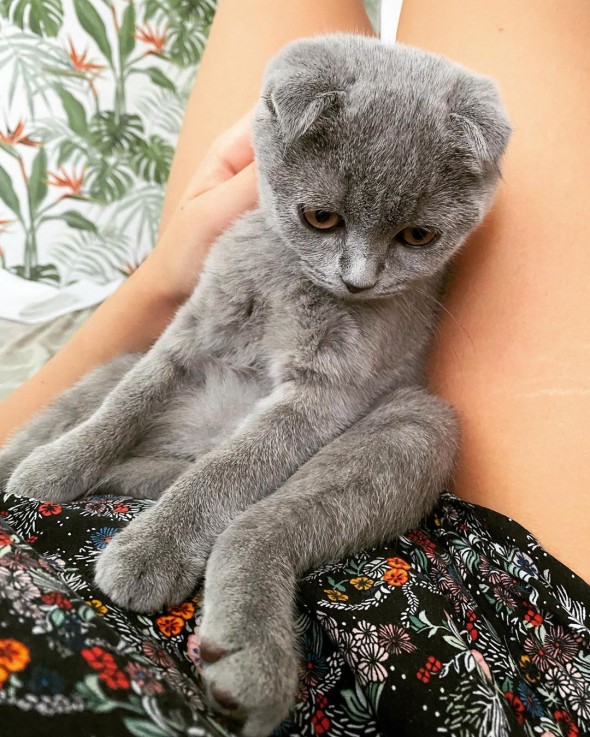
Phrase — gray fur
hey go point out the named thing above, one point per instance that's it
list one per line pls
(281, 419)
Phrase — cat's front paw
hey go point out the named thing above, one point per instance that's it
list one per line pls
(252, 680)
(145, 568)
(50, 473)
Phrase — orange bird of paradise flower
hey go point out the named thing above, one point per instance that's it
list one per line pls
(16, 136)
(150, 36)
(81, 63)
(72, 181)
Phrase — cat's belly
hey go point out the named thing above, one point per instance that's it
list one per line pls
(200, 417)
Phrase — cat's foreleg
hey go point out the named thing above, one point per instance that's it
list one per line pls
(70, 465)
(160, 556)
(370, 484)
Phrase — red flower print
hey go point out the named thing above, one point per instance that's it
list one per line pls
(534, 617)
(55, 598)
(516, 705)
(433, 664)
(99, 659)
(47, 509)
(320, 722)
(121, 508)
(114, 679)
(155, 38)
(5, 538)
(186, 610)
(567, 724)
(321, 701)
(472, 631)
(169, 625)
(32, 539)
(16, 136)
(423, 675)
(72, 181)
(80, 61)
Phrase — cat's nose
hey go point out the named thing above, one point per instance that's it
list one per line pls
(354, 288)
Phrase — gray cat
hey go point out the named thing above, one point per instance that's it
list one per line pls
(281, 419)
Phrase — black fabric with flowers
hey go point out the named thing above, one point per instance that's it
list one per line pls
(465, 626)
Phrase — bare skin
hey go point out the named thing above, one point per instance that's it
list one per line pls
(513, 358)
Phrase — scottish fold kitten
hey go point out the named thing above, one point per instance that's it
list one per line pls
(281, 420)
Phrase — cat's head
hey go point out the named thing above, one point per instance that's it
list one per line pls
(375, 161)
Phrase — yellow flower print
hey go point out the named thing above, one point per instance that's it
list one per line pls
(362, 583)
(335, 595)
(98, 607)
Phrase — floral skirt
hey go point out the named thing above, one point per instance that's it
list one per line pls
(464, 626)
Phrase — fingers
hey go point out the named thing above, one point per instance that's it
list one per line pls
(230, 153)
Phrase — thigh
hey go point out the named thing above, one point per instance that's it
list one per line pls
(515, 361)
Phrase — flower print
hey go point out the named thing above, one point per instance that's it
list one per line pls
(369, 664)
(156, 654)
(186, 610)
(56, 598)
(121, 508)
(100, 608)
(98, 658)
(43, 680)
(365, 632)
(320, 722)
(169, 625)
(580, 701)
(529, 670)
(396, 576)
(97, 506)
(193, 649)
(23, 592)
(72, 181)
(419, 537)
(534, 617)
(525, 563)
(143, 678)
(537, 652)
(47, 509)
(560, 644)
(330, 625)
(395, 639)
(567, 724)
(3, 676)
(102, 537)
(516, 705)
(18, 560)
(398, 563)
(529, 698)
(114, 679)
(504, 596)
(335, 595)
(348, 646)
(17, 136)
(156, 39)
(313, 669)
(362, 583)
(81, 63)
(5, 538)
(14, 655)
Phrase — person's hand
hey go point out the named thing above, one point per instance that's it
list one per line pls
(222, 188)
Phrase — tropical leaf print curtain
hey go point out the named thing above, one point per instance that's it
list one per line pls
(92, 95)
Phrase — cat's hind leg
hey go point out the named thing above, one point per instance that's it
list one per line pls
(70, 409)
(141, 478)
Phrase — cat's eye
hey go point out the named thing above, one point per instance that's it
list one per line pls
(322, 219)
(416, 237)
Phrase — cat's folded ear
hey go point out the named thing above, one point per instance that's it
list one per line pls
(301, 88)
(479, 123)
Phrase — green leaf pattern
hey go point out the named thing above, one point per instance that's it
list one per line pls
(92, 94)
